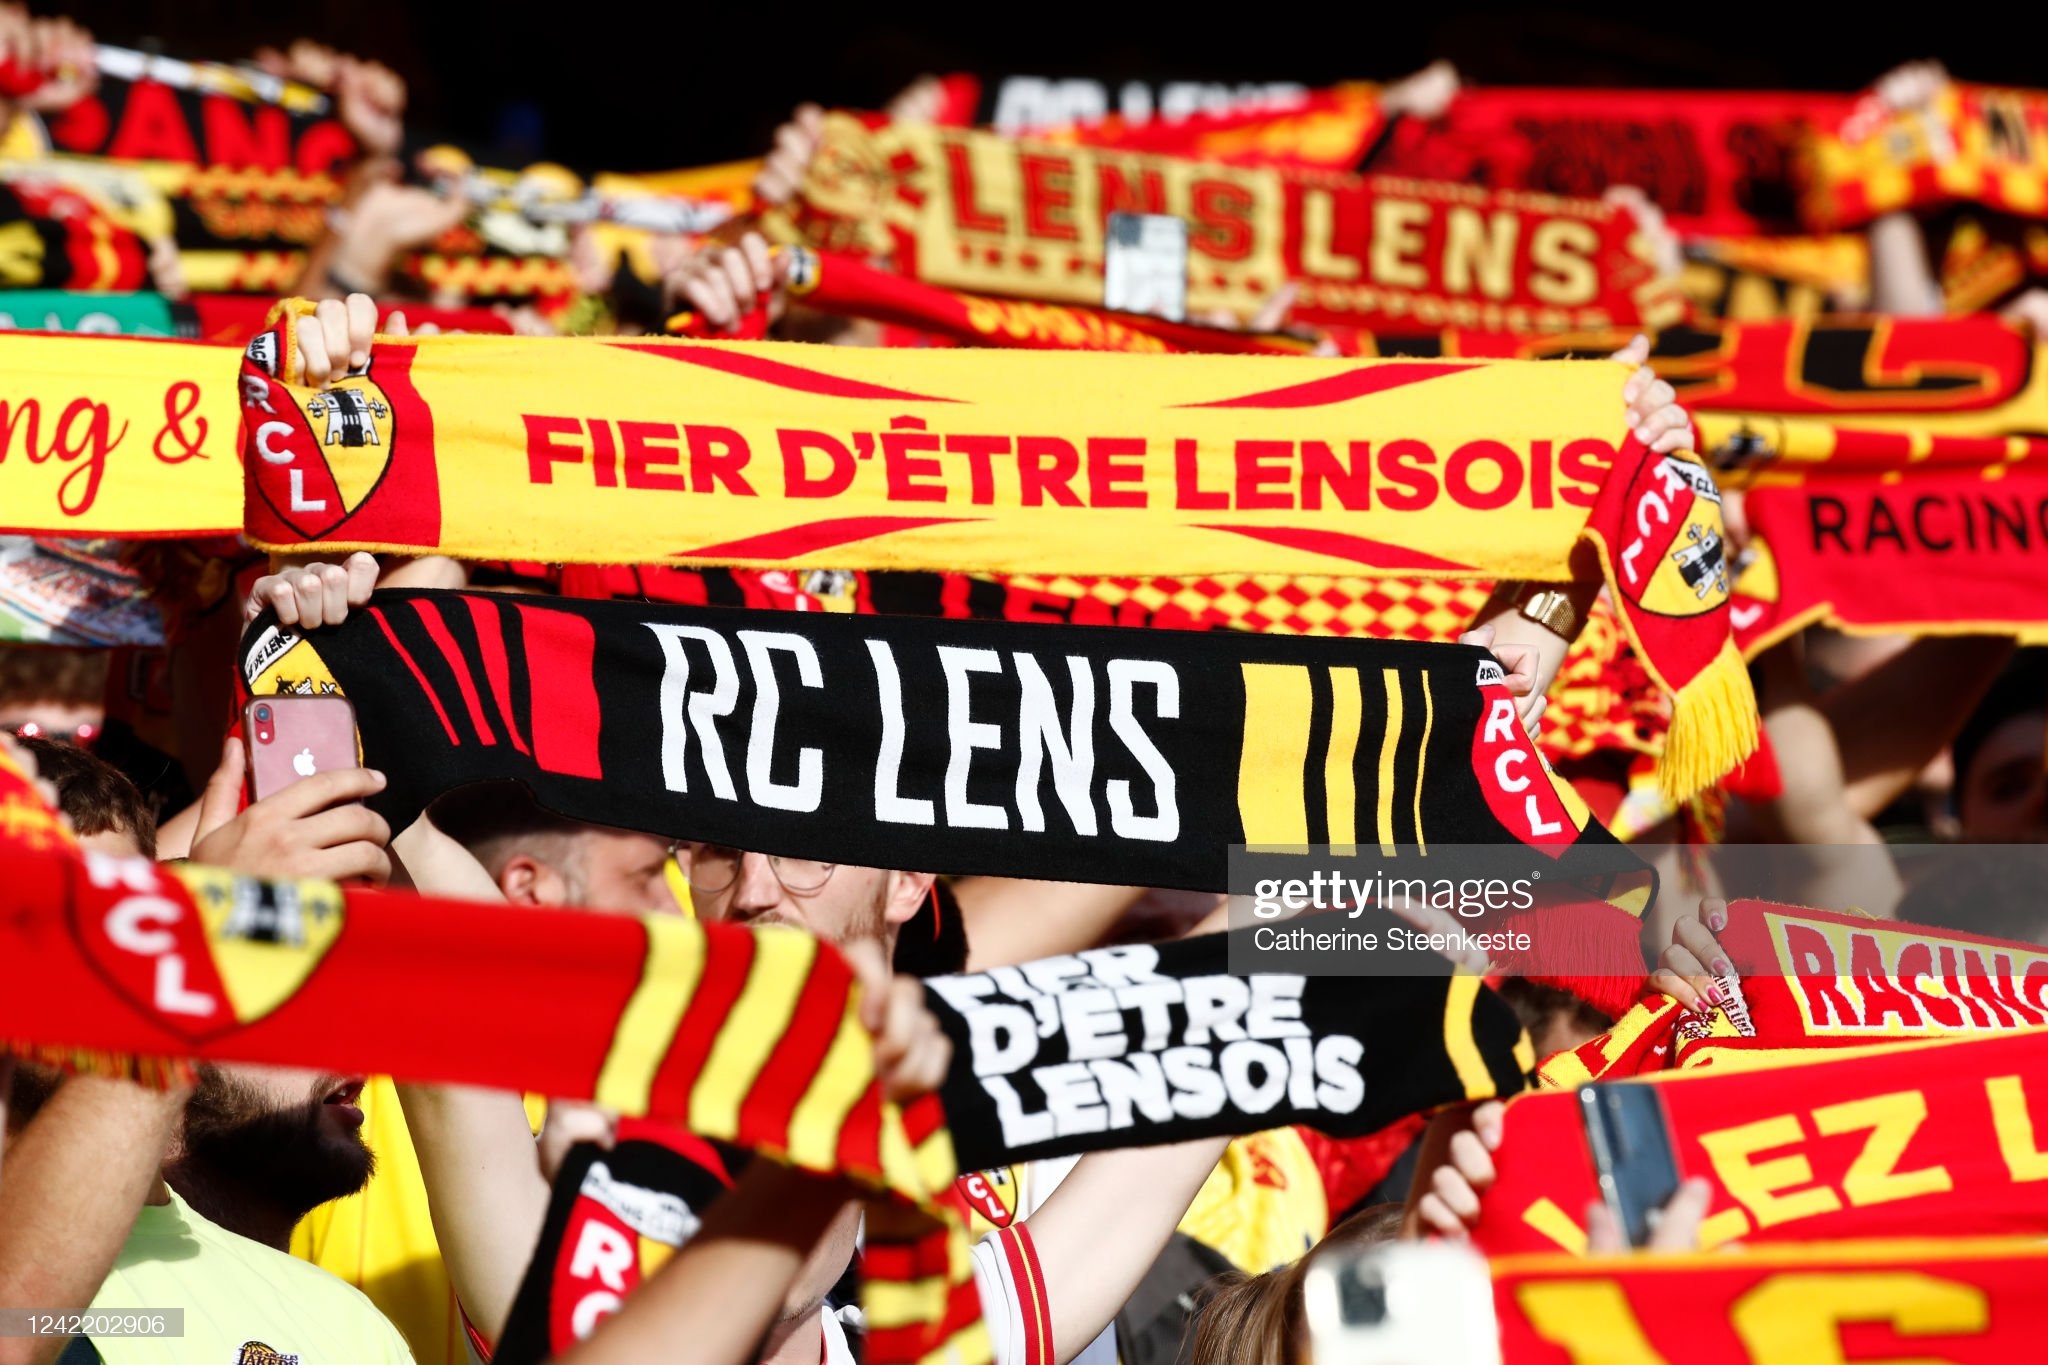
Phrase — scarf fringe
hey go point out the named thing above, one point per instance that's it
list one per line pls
(154, 1073)
(1600, 941)
(1714, 726)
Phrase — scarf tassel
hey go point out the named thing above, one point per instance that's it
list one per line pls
(1714, 726)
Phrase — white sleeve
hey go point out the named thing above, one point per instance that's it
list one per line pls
(1013, 1301)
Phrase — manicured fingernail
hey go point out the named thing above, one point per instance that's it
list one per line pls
(1717, 920)
(1714, 996)
(1721, 968)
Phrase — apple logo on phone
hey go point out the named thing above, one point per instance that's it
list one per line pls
(303, 763)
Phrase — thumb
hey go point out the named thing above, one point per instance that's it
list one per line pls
(1678, 1227)
(222, 799)
(1603, 1234)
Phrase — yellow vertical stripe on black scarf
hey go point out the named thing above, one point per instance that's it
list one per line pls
(1340, 784)
(1459, 1043)
(1278, 704)
(1390, 744)
(1422, 761)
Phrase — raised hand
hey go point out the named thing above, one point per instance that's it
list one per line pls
(1651, 404)
(789, 160)
(316, 827)
(311, 595)
(726, 283)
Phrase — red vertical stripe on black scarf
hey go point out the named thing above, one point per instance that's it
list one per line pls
(437, 629)
(490, 640)
(412, 665)
(560, 649)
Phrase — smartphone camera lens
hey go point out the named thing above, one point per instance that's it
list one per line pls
(1362, 1296)
(263, 713)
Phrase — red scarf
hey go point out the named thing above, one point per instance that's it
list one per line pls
(1907, 1140)
(1897, 485)
(974, 211)
(834, 282)
(1331, 129)
(1892, 472)
(1809, 980)
(1716, 162)
(1969, 1302)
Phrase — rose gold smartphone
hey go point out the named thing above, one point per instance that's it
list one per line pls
(291, 738)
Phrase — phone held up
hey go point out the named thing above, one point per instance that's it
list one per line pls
(1400, 1303)
(292, 738)
(1145, 265)
(1633, 1162)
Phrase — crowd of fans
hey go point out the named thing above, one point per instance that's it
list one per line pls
(362, 1219)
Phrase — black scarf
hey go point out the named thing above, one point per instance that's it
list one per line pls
(1148, 1043)
(1072, 753)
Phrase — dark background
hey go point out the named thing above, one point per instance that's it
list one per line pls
(606, 86)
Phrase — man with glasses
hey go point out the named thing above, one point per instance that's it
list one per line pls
(837, 902)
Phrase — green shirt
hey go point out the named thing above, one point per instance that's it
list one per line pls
(245, 1304)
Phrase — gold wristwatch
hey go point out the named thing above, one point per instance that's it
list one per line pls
(1548, 608)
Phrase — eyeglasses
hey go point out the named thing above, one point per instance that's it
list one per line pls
(82, 735)
(715, 867)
